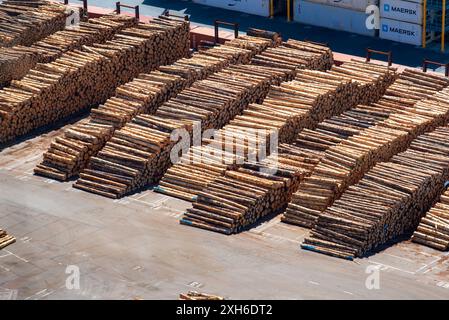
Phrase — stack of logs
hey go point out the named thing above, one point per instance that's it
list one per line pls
(294, 53)
(82, 78)
(147, 139)
(16, 61)
(212, 102)
(314, 144)
(5, 239)
(24, 25)
(24, 3)
(193, 295)
(387, 202)
(273, 36)
(245, 195)
(145, 94)
(285, 110)
(302, 103)
(349, 146)
(433, 229)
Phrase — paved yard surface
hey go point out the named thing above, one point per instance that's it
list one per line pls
(135, 247)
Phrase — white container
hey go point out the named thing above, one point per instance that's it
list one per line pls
(331, 17)
(358, 5)
(257, 7)
(402, 10)
(400, 31)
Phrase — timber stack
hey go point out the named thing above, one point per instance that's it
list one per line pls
(24, 25)
(273, 36)
(389, 201)
(285, 110)
(213, 101)
(433, 229)
(25, 3)
(294, 53)
(348, 152)
(314, 143)
(5, 239)
(194, 295)
(16, 61)
(80, 79)
(143, 95)
(245, 195)
(288, 109)
(196, 170)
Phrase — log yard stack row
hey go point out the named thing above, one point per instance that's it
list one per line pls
(255, 127)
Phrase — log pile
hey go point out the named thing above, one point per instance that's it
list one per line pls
(24, 25)
(80, 79)
(285, 110)
(16, 61)
(66, 153)
(373, 79)
(25, 3)
(294, 53)
(433, 229)
(193, 295)
(253, 45)
(349, 146)
(120, 165)
(144, 94)
(196, 170)
(243, 196)
(389, 201)
(273, 36)
(5, 239)
(213, 102)
(288, 109)
(329, 133)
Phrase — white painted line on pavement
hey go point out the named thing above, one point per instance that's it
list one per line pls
(15, 255)
(388, 266)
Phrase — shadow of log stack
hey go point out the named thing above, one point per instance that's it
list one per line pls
(80, 79)
(389, 200)
(5, 239)
(347, 151)
(24, 25)
(213, 102)
(143, 95)
(16, 61)
(288, 109)
(433, 229)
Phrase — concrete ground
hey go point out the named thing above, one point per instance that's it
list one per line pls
(135, 248)
(339, 41)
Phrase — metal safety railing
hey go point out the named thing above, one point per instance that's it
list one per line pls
(388, 54)
(218, 23)
(119, 5)
(66, 2)
(85, 12)
(167, 13)
(426, 63)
